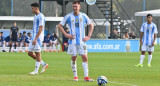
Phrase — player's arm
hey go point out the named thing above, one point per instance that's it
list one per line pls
(155, 35)
(91, 27)
(64, 32)
(141, 37)
(38, 34)
(18, 33)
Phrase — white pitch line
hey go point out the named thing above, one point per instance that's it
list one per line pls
(72, 79)
(122, 83)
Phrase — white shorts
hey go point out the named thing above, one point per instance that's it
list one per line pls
(147, 48)
(55, 41)
(35, 48)
(74, 49)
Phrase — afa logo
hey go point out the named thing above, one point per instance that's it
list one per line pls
(91, 2)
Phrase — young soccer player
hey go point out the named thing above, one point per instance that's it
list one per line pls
(2, 41)
(147, 40)
(37, 39)
(76, 21)
(13, 35)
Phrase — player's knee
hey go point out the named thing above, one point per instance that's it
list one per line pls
(84, 58)
(30, 53)
(74, 58)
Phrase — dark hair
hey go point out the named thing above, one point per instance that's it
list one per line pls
(1, 32)
(48, 34)
(24, 32)
(35, 4)
(28, 33)
(76, 2)
(149, 15)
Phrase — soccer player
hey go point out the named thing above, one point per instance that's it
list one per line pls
(147, 40)
(13, 35)
(37, 39)
(2, 41)
(46, 43)
(19, 41)
(22, 41)
(28, 40)
(7, 40)
(77, 38)
(54, 42)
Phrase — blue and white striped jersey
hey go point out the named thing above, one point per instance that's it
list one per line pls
(149, 30)
(76, 26)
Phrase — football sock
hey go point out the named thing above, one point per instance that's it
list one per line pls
(58, 46)
(142, 58)
(44, 46)
(74, 68)
(42, 62)
(4, 48)
(54, 47)
(149, 59)
(85, 68)
(37, 66)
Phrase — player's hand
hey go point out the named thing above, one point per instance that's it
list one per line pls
(70, 36)
(153, 43)
(86, 38)
(34, 42)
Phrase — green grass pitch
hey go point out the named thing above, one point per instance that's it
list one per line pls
(117, 67)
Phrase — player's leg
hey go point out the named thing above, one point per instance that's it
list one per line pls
(74, 66)
(15, 45)
(149, 59)
(26, 46)
(82, 50)
(45, 46)
(50, 47)
(73, 51)
(37, 50)
(10, 45)
(20, 46)
(4, 46)
(54, 47)
(31, 54)
(58, 44)
(143, 49)
(150, 50)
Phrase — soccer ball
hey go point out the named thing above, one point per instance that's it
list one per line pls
(102, 81)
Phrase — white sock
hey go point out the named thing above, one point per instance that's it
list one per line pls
(4, 47)
(54, 47)
(44, 47)
(58, 46)
(50, 47)
(74, 68)
(142, 58)
(20, 48)
(26, 48)
(149, 59)
(37, 65)
(42, 62)
(85, 68)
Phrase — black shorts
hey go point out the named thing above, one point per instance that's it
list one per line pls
(14, 39)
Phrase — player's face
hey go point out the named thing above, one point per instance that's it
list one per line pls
(14, 24)
(76, 7)
(29, 35)
(149, 18)
(33, 9)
